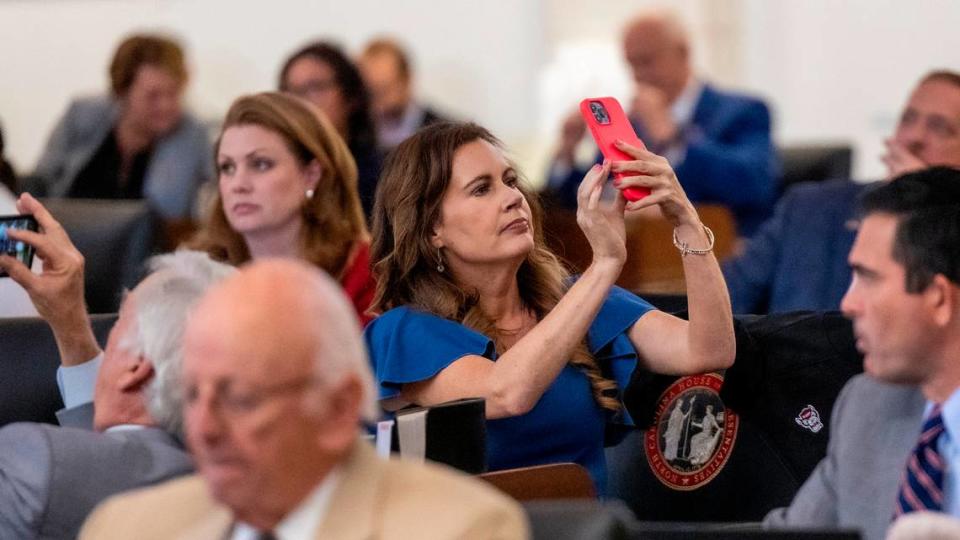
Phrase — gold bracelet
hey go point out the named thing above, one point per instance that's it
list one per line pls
(685, 248)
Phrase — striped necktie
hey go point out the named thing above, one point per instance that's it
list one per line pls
(921, 487)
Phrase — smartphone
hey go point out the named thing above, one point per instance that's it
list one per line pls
(22, 251)
(607, 122)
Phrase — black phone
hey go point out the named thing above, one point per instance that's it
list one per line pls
(22, 251)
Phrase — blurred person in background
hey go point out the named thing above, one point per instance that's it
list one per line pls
(324, 76)
(137, 142)
(387, 70)
(797, 259)
(718, 142)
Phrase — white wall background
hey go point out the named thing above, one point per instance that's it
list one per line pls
(475, 59)
(831, 69)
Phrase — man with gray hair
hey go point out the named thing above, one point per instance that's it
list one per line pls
(718, 142)
(276, 382)
(52, 477)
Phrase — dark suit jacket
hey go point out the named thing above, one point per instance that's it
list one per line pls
(875, 426)
(52, 477)
(730, 158)
(798, 259)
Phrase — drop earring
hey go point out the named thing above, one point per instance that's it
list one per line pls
(440, 266)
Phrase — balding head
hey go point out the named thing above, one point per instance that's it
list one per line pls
(657, 48)
(386, 72)
(276, 381)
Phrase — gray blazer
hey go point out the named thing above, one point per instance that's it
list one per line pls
(52, 477)
(181, 162)
(874, 428)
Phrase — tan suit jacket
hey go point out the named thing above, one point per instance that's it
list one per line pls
(374, 499)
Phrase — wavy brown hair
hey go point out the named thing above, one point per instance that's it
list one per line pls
(409, 196)
(333, 221)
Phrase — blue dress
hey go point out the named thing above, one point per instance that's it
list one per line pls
(566, 424)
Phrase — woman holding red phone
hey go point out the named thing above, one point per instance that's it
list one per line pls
(475, 305)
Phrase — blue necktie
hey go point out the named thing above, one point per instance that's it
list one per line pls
(921, 487)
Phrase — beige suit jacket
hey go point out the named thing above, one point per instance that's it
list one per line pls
(374, 499)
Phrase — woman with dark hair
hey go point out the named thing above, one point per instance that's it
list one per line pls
(288, 188)
(475, 305)
(324, 76)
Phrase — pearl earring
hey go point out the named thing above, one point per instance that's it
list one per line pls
(309, 193)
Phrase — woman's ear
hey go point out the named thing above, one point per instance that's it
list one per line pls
(436, 237)
(312, 174)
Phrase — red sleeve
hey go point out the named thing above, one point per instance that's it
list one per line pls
(359, 284)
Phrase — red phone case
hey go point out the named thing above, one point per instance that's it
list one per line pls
(605, 134)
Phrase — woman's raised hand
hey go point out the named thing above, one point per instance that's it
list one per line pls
(654, 172)
(602, 220)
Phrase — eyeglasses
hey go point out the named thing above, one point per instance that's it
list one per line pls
(313, 87)
(236, 401)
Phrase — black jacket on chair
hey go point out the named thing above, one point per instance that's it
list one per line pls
(769, 418)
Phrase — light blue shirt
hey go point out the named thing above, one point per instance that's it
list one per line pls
(949, 448)
(77, 382)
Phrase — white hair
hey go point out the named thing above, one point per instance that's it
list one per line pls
(177, 281)
(340, 348)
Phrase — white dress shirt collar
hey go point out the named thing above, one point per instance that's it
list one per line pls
(682, 108)
(303, 521)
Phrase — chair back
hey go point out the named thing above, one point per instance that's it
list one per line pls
(553, 481)
(578, 519)
(28, 387)
(653, 264)
(814, 163)
(115, 237)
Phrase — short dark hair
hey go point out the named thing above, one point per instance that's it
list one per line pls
(145, 49)
(347, 76)
(927, 207)
(942, 75)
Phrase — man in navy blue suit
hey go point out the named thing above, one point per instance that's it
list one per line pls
(798, 259)
(717, 142)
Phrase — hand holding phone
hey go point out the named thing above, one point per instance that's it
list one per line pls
(608, 123)
(19, 250)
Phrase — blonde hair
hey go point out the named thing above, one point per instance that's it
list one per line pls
(411, 188)
(333, 220)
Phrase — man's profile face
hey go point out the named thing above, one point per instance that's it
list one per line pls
(929, 126)
(245, 378)
(892, 326)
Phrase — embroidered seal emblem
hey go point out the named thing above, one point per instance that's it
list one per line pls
(809, 418)
(693, 435)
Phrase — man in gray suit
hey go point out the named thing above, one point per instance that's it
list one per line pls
(52, 477)
(904, 301)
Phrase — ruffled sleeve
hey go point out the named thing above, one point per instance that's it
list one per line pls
(407, 345)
